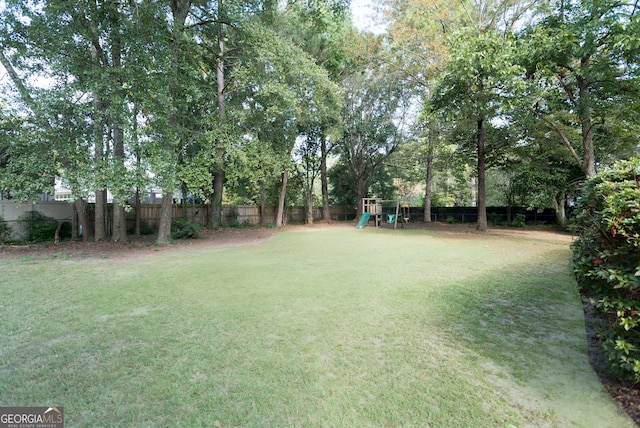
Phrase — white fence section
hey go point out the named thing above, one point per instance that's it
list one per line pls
(10, 211)
(232, 215)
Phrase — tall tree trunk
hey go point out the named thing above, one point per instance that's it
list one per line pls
(75, 227)
(429, 181)
(100, 229)
(360, 181)
(119, 228)
(80, 208)
(309, 215)
(474, 191)
(179, 11)
(281, 200)
(166, 212)
(359, 197)
(586, 123)
(136, 144)
(138, 208)
(263, 206)
(166, 217)
(309, 179)
(326, 208)
(100, 220)
(482, 203)
(559, 206)
(215, 219)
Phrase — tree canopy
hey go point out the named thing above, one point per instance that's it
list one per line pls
(253, 102)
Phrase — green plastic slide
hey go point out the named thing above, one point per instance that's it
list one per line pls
(363, 220)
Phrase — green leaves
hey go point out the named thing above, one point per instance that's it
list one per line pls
(481, 77)
(607, 261)
(582, 64)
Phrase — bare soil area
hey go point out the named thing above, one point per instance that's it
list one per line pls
(626, 394)
(145, 245)
(136, 247)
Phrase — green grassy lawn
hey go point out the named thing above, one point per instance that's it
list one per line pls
(318, 328)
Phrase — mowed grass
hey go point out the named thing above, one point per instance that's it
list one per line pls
(318, 328)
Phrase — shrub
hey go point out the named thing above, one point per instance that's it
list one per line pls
(146, 228)
(181, 229)
(235, 224)
(450, 220)
(5, 231)
(606, 260)
(41, 228)
(231, 217)
(494, 218)
(519, 221)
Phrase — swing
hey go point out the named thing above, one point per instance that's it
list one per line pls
(391, 211)
(377, 209)
(406, 214)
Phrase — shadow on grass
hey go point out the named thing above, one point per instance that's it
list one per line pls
(526, 324)
(337, 328)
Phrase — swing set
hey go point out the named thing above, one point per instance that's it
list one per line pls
(379, 210)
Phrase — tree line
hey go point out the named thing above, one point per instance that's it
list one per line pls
(286, 102)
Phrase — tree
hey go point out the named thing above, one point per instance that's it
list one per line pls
(253, 175)
(324, 31)
(542, 171)
(174, 138)
(419, 33)
(25, 173)
(581, 60)
(216, 31)
(307, 150)
(87, 52)
(311, 151)
(424, 157)
(479, 84)
(56, 112)
(287, 92)
(375, 109)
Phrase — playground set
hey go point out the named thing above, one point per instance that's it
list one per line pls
(380, 210)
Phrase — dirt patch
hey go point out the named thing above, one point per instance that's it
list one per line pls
(135, 247)
(144, 246)
(627, 395)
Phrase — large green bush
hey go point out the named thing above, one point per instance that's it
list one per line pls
(606, 257)
(182, 229)
(5, 231)
(41, 228)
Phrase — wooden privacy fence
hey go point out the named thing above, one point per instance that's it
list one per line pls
(234, 215)
(151, 213)
(250, 214)
(237, 215)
